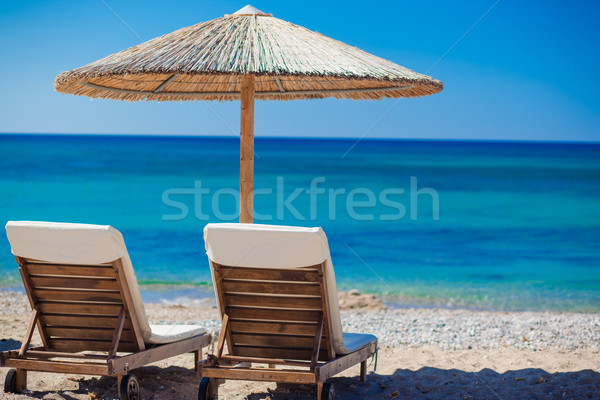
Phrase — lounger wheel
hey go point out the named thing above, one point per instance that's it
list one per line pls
(130, 388)
(328, 392)
(10, 382)
(204, 391)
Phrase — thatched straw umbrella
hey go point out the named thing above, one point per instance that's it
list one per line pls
(247, 55)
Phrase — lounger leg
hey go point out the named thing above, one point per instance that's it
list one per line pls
(119, 377)
(319, 390)
(21, 380)
(213, 388)
(363, 371)
(197, 358)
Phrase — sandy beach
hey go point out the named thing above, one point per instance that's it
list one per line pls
(424, 354)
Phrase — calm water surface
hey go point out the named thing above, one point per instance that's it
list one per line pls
(518, 226)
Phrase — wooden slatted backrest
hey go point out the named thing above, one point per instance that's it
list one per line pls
(78, 305)
(273, 313)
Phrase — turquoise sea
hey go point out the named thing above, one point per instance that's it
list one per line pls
(517, 225)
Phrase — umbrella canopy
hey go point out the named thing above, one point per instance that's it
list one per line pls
(247, 55)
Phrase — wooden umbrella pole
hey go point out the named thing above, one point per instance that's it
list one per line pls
(247, 150)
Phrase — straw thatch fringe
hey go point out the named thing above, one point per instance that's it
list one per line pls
(205, 61)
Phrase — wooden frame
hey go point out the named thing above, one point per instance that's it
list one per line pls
(278, 317)
(87, 322)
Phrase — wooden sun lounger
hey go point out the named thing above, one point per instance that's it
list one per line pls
(277, 317)
(88, 325)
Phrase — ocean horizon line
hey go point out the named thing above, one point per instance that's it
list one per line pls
(295, 138)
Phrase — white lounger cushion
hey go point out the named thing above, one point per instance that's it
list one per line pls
(173, 333)
(88, 245)
(356, 341)
(273, 246)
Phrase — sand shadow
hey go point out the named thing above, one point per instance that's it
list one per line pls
(155, 383)
(433, 383)
(425, 383)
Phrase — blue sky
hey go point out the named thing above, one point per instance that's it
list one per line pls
(527, 71)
